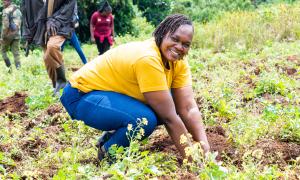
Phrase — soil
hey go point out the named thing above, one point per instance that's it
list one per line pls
(219, 142)
(14, 104)
(287, 70)
(276, 99)
(73, 69)
(274, 151)
(290, 71)
(161, 141)
(54, 109)
(33, 146)
(180, 175)
(294, 58)
(277, 152)
(257, 71)
(5, 147)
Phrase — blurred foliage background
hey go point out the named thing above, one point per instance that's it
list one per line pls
(124, 11)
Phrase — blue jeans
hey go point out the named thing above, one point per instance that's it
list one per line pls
(106, 110)
(75, 43)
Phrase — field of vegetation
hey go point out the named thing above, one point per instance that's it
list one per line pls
(246, 78)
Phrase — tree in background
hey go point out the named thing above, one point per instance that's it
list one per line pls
(154, 11)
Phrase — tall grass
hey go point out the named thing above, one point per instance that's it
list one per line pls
(250, 30)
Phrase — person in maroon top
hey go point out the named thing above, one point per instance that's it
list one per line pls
(102, 27)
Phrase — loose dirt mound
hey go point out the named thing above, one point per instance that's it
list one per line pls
(14, 104)
(294, 58)
(287, 70)
(32, 146)
(277, 152)
(161, 141)
(219, 142)
(54, 109)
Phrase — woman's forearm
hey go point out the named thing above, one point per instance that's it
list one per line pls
(176, 129)
(162, 103)
(195, 126)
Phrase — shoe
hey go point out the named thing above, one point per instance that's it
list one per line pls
(101, 153)
(61, 80)
(103, 138)
(59, 85)
(7, 62)
(9, 70)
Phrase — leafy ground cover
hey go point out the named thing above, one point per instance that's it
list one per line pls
(249, 99)
(250, 104)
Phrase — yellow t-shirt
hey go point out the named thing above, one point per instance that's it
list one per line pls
(131, 69)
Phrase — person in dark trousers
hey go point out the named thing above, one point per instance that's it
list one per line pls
(10, 35)
(148, 79)
(48, 24)
(102, 27)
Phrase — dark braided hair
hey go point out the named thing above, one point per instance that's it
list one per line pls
(169, 25)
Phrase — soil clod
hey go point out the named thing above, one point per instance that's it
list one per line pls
(14, 104)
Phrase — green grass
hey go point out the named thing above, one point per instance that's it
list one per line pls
(250, 29)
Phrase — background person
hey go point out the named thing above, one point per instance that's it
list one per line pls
(10, 35)
(74, 39)
(102, 27)
(134, 81)
(49, 28)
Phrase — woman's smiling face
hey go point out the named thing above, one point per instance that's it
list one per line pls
(175, 46)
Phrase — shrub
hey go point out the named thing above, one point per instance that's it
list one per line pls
(154, 11)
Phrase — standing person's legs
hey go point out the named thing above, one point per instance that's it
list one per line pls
(4, 48)
(53, 58)
(75, 43)
(15, 51)
(106, 45)
(108, 111)
(99, 46)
